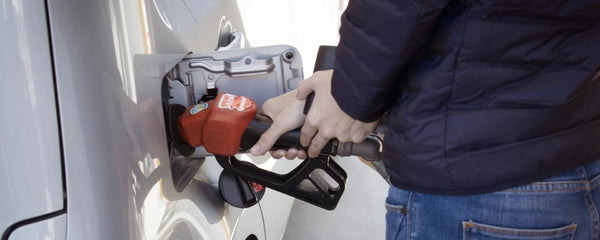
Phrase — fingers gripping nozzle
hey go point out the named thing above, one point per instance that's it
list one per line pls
(369, 149)
(229, 124)
(225, 131)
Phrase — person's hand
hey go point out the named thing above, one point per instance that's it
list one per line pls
(286, 112)
(325, 120)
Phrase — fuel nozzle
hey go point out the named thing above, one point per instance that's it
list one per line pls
(217, 124)
(229, 124)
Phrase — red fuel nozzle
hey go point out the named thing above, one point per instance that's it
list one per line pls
(218, 125)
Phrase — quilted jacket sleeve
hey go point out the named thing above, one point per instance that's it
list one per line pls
(377, 39)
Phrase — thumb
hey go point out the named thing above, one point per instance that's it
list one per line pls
(271, 108)
(267, 140)
(304, 89)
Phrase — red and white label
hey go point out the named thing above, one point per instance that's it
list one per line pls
(257, 187)
(234, 102)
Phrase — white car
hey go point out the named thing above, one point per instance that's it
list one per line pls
(83, 147)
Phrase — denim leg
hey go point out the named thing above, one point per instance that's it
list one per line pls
(592, 172)
(397, 211)
(562, 207)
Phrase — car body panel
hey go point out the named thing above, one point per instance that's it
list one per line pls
(30, 160)
(110, 58)
(83, 150)
(52, 228)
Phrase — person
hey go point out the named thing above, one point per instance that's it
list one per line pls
(493, 112)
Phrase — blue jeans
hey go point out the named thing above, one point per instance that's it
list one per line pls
(561, 207)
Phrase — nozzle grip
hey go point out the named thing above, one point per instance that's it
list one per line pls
(325, 61)
(308, 102)
(369, 149)
(291, 139)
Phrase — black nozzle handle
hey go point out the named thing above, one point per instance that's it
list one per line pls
(325, 61)
(325, 58)
(369, 149)
(308, 102)
(261, 123)
(323, 195)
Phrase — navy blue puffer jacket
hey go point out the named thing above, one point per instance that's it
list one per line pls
(482, 94)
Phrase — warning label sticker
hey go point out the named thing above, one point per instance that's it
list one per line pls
(234, 102)
(257, 187)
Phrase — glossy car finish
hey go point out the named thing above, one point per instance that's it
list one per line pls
(51, 228)
(109, 58)
(30, 158)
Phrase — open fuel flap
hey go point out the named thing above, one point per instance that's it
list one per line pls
(199, 80)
